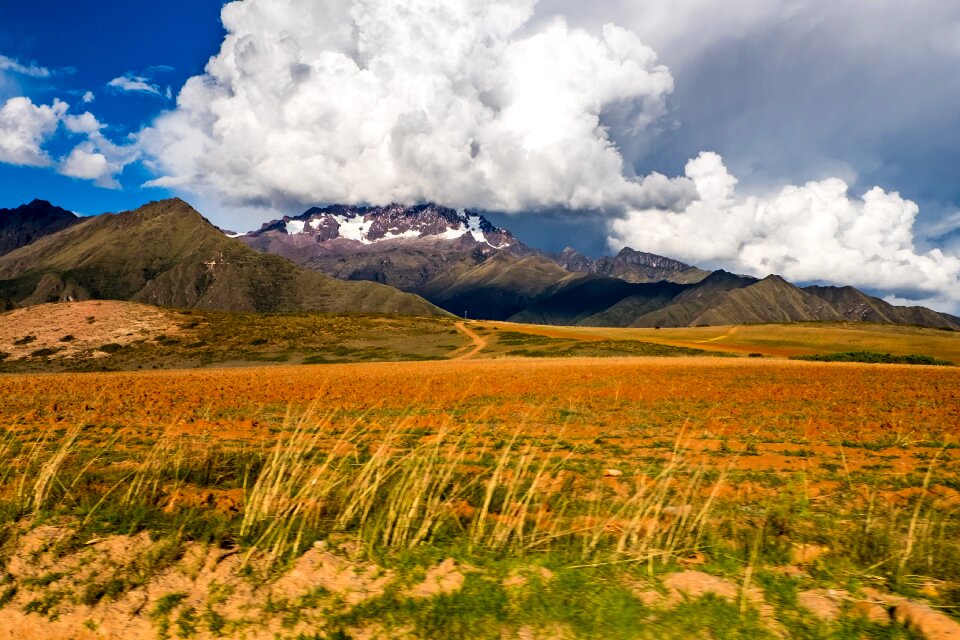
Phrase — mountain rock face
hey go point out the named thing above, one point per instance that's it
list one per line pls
(365, 226)
(165, 253)
(632, 266)
(27, 223)
(404, 247)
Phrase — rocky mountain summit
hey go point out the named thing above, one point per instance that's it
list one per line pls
(374, 225)
(631, 266)
(26, 223)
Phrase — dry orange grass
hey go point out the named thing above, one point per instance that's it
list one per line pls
(784, 415)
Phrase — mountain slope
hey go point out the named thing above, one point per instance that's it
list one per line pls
(682, 310)
(165, 253)
(497, 288)
(457, 260)
(27, 223)
(408, 267)
(857, 306)
(589, 297)
(770, 300)
(648, 298)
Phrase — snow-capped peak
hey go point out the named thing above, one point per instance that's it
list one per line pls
(370, 225)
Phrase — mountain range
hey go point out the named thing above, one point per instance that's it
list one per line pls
(415, 260)
(165, 253)
(460, 262)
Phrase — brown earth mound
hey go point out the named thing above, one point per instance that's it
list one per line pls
(70, 328)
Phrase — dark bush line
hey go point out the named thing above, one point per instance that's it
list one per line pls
(873, 357)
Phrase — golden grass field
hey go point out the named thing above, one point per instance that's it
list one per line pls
(778, 340)
(492, 494)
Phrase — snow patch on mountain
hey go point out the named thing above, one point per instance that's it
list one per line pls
(395, 234)
(355, 228)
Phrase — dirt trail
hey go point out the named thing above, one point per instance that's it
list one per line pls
(479, 343)
(729, 333)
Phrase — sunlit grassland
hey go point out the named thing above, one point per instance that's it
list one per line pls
(593, 481)
(777, 340)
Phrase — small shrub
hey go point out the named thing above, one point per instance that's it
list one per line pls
(45, 352)
(110, 348)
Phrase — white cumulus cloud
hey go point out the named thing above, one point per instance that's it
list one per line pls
(84, 162)
(86, 122)
(460, 101)
(809, 233)
(98, 159)
(25, 127)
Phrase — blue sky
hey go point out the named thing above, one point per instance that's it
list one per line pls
(818, 139)
(86, 48)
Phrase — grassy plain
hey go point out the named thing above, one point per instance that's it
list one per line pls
(322, 476)
(488, 497)
(774, 340)
(122, 336)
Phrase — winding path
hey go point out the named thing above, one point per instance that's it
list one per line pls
(478, 341)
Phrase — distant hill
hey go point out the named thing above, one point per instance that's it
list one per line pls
(680, 310)
(723, 298)
(632, 266)
(858, 306)
(27, 223)
(770, 300)
(165, 253)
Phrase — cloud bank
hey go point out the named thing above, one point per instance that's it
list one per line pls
(25, 129)
(815, 232)
(374, 101)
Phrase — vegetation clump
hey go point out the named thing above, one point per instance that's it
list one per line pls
(873, 357)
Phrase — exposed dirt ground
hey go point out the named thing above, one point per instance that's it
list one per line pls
(79, 326)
